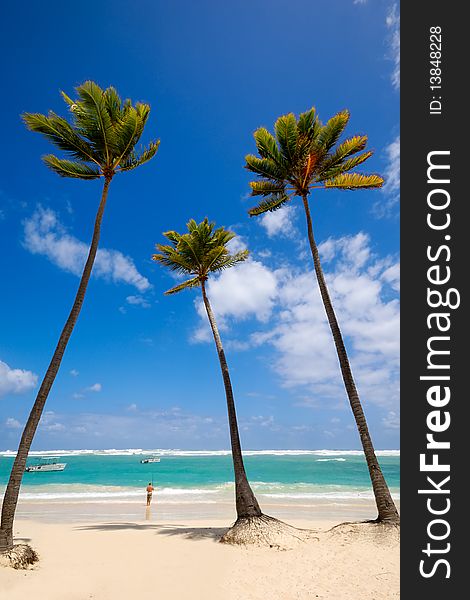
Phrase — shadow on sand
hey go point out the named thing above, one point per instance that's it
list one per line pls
(120, 526)
(189, 533)
(193, 533)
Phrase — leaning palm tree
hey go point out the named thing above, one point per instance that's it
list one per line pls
(99, 141)
(197, 254)
(303, 156)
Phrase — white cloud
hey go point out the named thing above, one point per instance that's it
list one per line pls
(391, 189)
(248, 290)
(15, 381)
(44, 234)
(392, 171)
(392, 276)
(280, 222)
(393, 24)
(391, 420)
(301, 336)
(50, 422)
(74, 373)
(11, 423)
(96, 387)
(138, 301)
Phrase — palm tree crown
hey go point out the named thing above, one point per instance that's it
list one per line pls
(302, 156)
(101, 138)
(201, 251)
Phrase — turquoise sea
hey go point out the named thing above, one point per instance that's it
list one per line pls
(203, 477)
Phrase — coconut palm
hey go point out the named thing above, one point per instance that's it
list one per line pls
(302, 156)
(99, 141)
(197, 254)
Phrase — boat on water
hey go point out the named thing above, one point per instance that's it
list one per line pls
(150, 459)
(46, 463)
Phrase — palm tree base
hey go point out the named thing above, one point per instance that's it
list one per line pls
(20, 556)
(265, 531)
(374, 530)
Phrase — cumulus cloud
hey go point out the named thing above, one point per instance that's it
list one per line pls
(96, 387)
(44, 234)
(248, 290)
(12, 423)
(15, 381)
(138, 301)
(51, 423)
(363, 291)
(280, 222)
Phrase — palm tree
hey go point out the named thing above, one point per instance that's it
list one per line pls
(99, 142)
(197, 254)
(303, 156)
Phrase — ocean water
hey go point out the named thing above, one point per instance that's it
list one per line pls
(117, 476)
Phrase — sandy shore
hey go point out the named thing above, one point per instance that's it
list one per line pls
(180, 559)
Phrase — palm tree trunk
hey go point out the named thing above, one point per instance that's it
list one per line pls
(246, 503)
(385, 505)
(12, 491)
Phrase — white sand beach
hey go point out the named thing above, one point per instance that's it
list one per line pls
(111, 557)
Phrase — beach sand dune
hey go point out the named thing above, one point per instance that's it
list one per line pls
(123, 560)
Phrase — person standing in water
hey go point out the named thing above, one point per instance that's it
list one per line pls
(150, 490)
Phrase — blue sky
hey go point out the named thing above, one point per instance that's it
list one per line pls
(140, 369)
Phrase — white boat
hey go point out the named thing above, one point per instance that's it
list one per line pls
(150, 459)
(47, 463)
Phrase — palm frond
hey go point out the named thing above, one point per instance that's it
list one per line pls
(354, 181)
(190, 283)
(344, 150)
(344, 166)
(287, 135)
(270, 204)
(230, 260)
(307, 121)
(331, 131)
(267, 146)
(113, 104)
(265, 188)
(135, 159)
(266, 167)
(70, 168)
(58, 131)
(94, 120)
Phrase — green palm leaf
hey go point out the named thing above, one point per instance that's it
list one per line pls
(94, 119)
(71, 168)
(270, 204)
(265, 167)
(266, 145)
(343, 166)
(190, 283)
(330, 133)
(354, 181)
(344, 150)
(287, 136)
(265, 188)
(61, 134)
(308, 123)
(135, 159)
